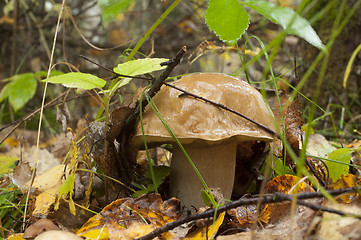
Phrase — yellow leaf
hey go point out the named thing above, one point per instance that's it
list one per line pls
(17, 236)
(209, 231)
(44, 201)
(48, 179)
(93, 229)
(5, 163)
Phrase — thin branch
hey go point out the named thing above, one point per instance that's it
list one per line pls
(274, 198)
(59, 99)
(115, 74)
(185, 93)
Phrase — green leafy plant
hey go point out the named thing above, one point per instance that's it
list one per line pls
(21, 88)
(228, 19)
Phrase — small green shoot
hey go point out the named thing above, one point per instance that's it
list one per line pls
(349, 65)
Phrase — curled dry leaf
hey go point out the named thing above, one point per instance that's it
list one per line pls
(248, 214)
(287, 184)
(39, 227)
(123, 213)
(346, 181)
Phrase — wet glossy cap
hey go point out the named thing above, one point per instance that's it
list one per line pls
(197, 122)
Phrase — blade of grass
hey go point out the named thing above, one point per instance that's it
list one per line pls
(150, 162)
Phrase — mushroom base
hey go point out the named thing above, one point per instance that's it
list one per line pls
(216, 164)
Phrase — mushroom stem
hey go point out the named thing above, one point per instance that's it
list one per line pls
(216, 164)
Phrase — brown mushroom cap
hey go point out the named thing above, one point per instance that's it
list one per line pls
(198, 123)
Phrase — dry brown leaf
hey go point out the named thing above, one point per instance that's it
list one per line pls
(208, 230)
(287, 184)
(121, 214)
(346, 181)
(293, 123)
(246, 215)
(46, 160)
(334, 226)
(39, 227)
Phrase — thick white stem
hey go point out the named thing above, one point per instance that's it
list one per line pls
(216, 165)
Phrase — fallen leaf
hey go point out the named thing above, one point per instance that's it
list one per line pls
(17, 236)
(247, 215)
(346, 181)
(21, 175)
(334, 226)
(209, 230)
(48, 179)
(121, 214)
(293, 123)
(39, 227)
(287, 184)
(45, 200)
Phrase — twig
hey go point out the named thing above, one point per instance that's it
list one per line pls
(59, 99)
(224, 108)
(274, 198)
(157, 83)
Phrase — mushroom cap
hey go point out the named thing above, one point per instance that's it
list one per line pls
(196, 122)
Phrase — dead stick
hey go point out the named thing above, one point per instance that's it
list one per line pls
(274, 198)
(185, 93)
(49, 104)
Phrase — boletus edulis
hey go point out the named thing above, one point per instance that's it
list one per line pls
(208, 133)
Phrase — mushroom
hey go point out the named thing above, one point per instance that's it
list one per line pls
(208, 133)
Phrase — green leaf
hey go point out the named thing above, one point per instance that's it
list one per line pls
(288, 19)
(138, 67)
(337, 165)
(6, 163)
(206, 197)
(160, 173)
(227, 19)
(280, 168)
(111, 8)
(77, 80)
(19, 90)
